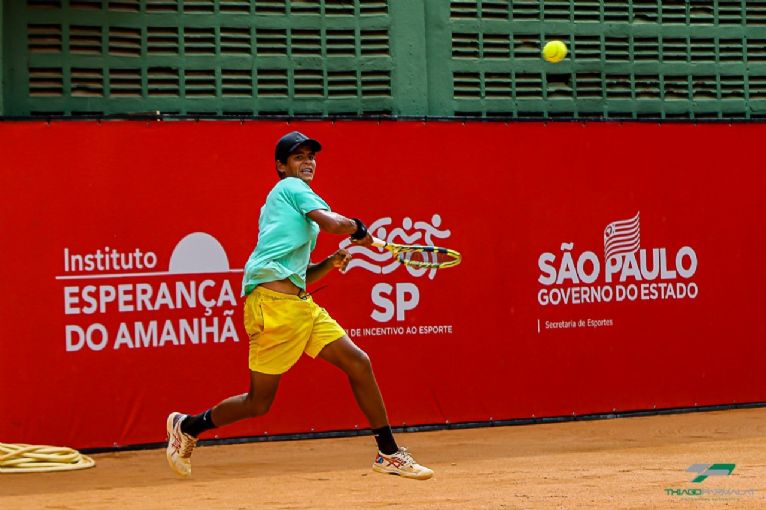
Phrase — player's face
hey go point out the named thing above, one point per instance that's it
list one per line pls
(300, 164)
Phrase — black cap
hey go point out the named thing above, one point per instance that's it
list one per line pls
(291, 141)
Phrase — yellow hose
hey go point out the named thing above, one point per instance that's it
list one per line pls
(27, 458)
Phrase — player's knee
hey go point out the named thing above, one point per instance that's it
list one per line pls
(360, 365)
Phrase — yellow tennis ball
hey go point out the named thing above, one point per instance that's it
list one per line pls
(554, 51)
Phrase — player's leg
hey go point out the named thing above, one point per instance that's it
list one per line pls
(183, 429)
(347, 356)
(273, 350)
(344, 354)
(256, 402)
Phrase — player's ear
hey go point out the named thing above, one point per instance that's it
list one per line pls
(279, 167)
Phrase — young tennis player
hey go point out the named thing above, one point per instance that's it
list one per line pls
(283, 321)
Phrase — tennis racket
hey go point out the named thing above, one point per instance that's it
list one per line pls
(420, 255)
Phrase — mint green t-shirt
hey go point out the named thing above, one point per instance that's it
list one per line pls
(286, 236)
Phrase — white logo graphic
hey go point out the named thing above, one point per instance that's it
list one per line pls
(189, 310)
(199, 253)
(392, 302)
(621, 237)
(382, 262)
(569, 279)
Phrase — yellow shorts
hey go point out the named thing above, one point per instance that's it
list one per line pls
(282, 327)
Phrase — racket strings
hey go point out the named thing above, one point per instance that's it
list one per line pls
(429, 259)
(420, 256)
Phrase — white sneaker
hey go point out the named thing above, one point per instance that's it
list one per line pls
(401, 463)
(180, 445)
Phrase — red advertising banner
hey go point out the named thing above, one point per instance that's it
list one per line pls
(606, 267)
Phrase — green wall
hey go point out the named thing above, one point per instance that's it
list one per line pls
(243, 57)
(442, 58)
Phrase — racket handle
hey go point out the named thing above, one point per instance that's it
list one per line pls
(380, 243)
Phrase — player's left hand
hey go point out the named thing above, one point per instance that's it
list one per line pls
(340, 259)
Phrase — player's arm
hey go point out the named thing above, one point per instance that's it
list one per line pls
(339, 260)
(334, 223)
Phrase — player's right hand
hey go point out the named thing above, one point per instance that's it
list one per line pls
(365, 241)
